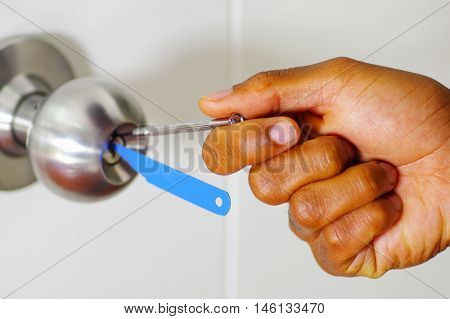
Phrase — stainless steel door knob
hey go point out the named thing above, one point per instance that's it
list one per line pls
(59, 129)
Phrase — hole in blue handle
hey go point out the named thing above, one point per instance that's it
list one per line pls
(219, 202)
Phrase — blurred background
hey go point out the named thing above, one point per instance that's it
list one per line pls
(146, 244)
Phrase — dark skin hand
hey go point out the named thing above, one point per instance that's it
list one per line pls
(370, 191)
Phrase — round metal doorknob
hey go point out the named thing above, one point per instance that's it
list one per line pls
(69, 141)
(59, 129)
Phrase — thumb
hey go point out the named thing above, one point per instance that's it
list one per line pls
(308, 88)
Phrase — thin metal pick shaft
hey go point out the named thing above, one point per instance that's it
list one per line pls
(187, 127)
(135, 138)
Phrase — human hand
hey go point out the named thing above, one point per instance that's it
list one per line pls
(380, 205)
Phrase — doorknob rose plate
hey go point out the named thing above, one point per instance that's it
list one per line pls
(29, 67)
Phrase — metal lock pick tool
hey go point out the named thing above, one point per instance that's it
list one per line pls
(136, 139)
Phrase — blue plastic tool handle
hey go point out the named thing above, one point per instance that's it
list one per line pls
(180, 184)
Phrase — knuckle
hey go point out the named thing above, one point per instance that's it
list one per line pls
(262, 76)
(264, 79)
(342, 61)
(306, 209)
(265, 187)
(260, 80)
(368, 180)
(275, 75)
(335, 237)
(324, 156)
(374, 213)
(332, 160)
(215, 156)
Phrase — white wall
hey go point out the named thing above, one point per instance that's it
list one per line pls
(172, 52)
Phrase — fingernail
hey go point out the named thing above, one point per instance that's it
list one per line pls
(349, 148)
(218, 95)
(283, 133)
(390, 171)
(396, 201)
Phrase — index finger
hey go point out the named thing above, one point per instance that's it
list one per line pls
(228, 149)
